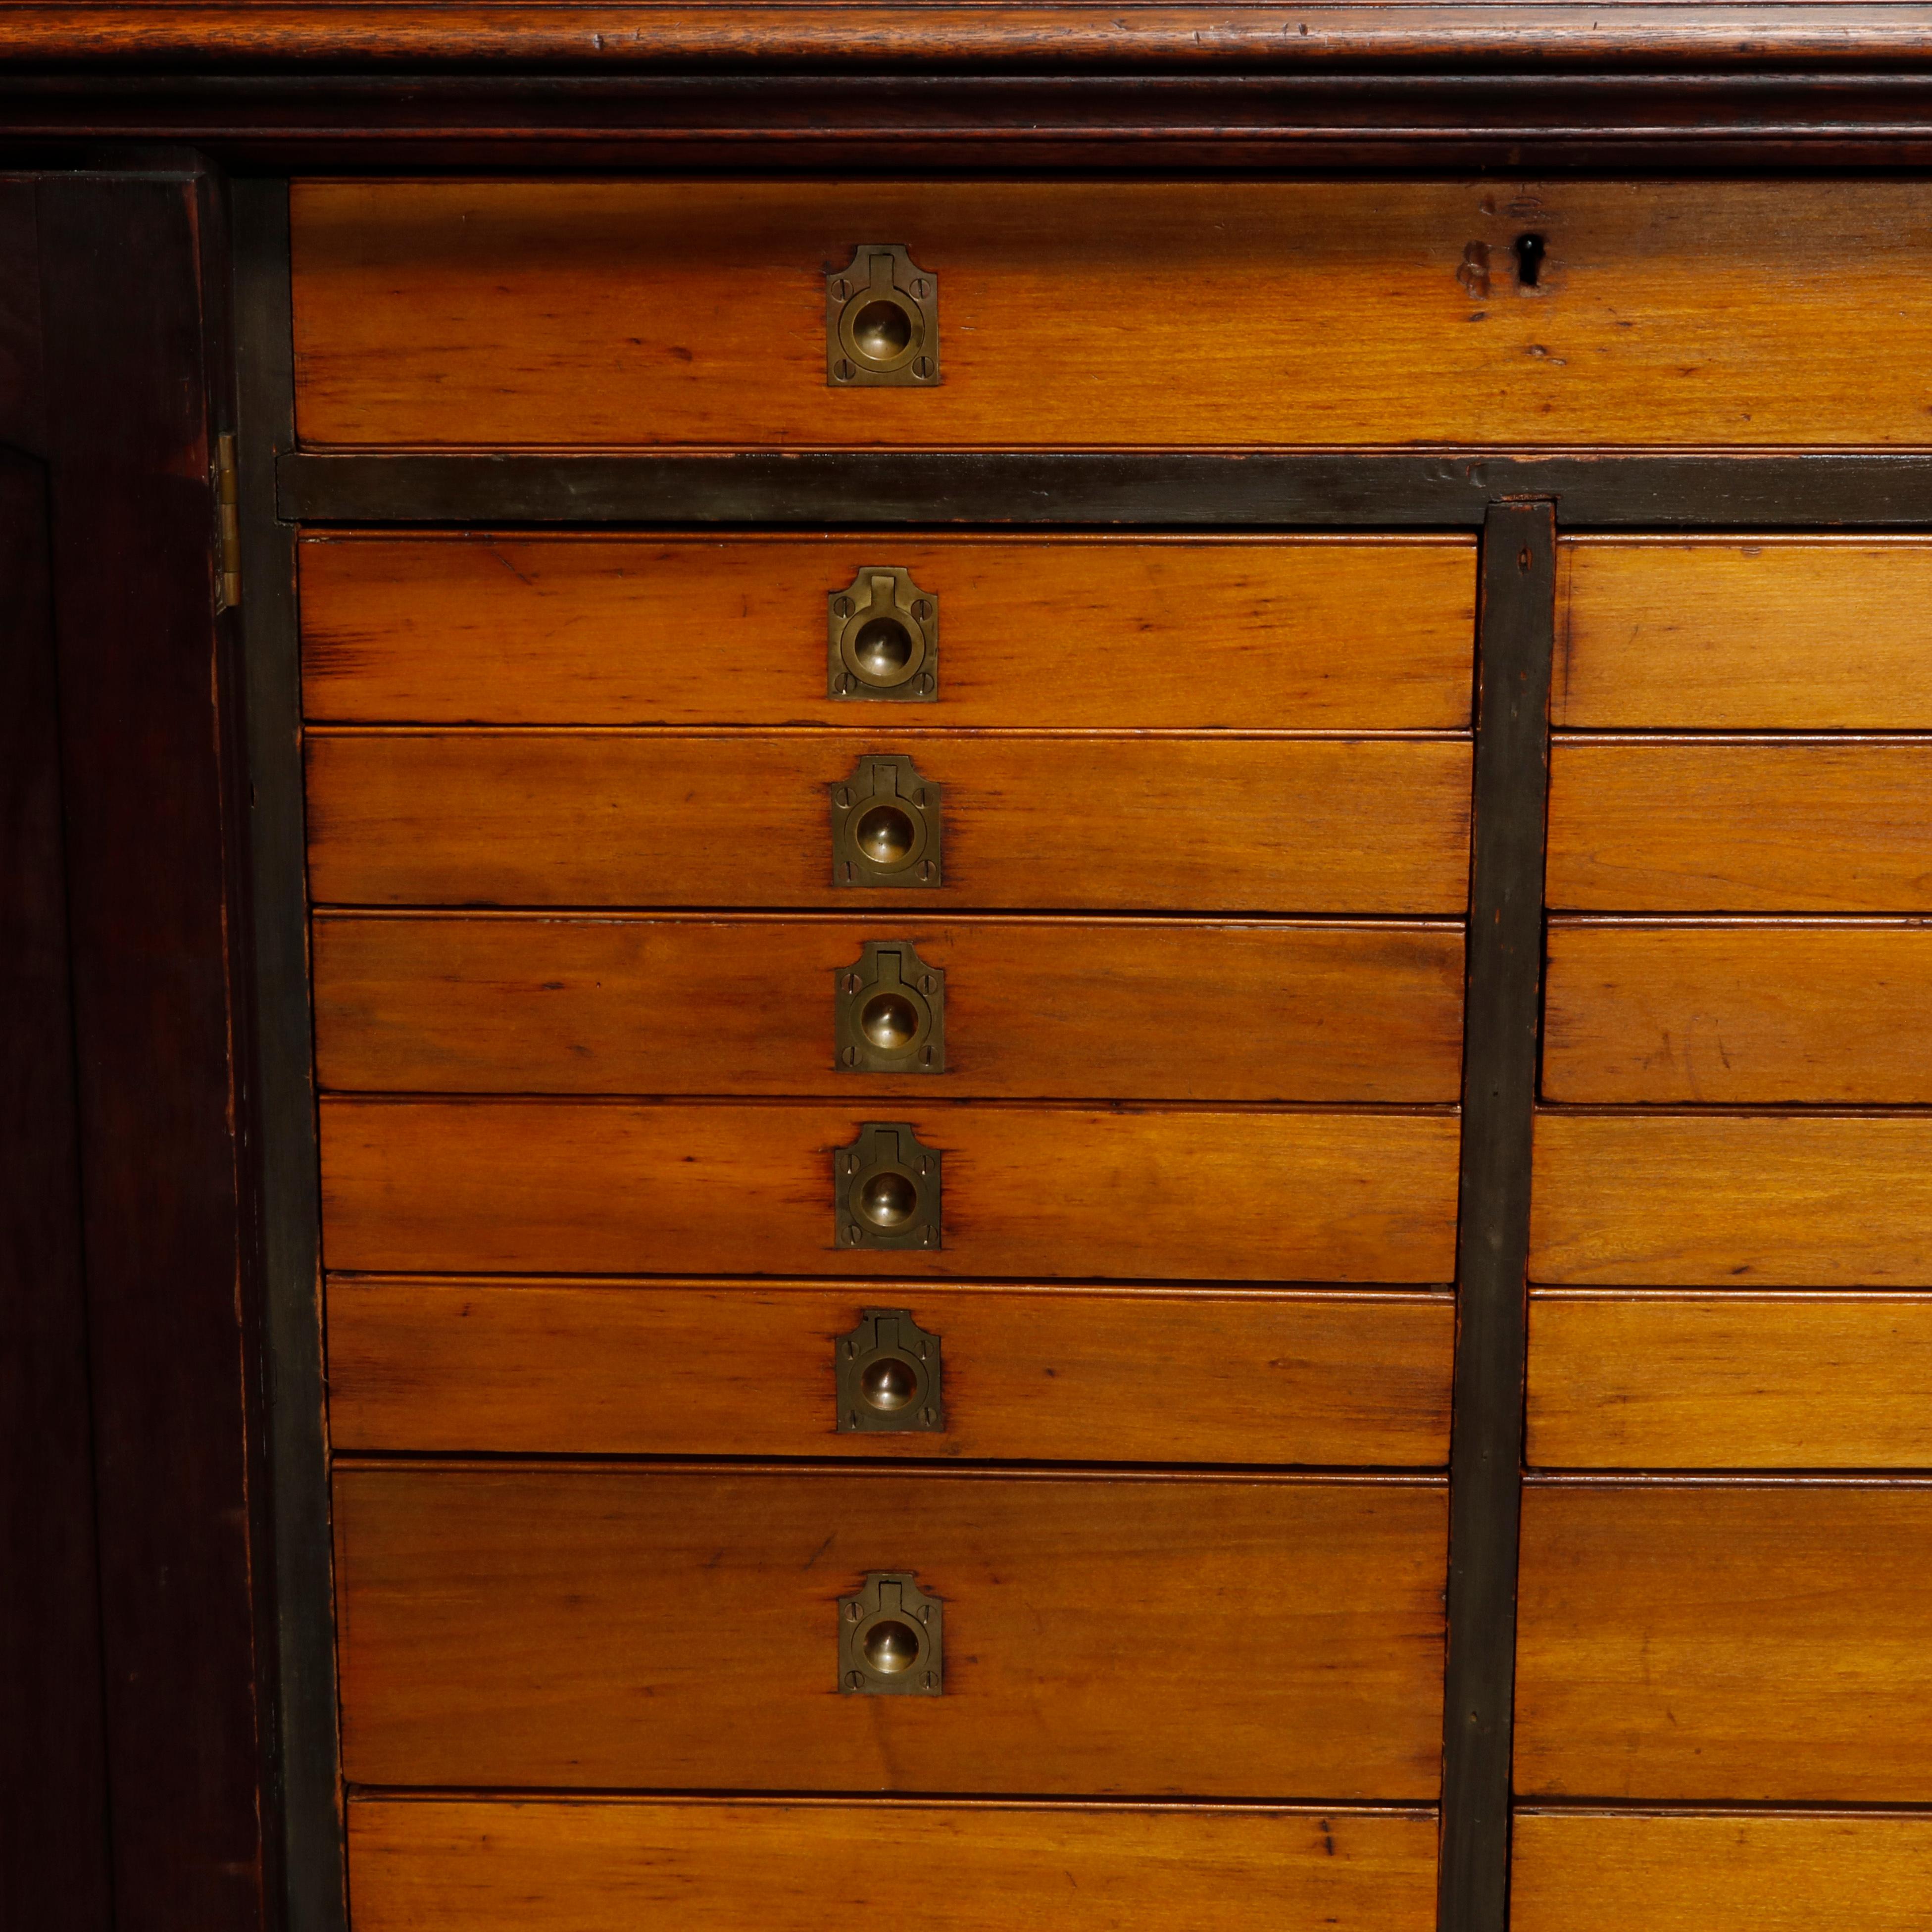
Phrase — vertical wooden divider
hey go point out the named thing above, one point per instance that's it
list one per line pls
(1516, 639)
(306, 1756)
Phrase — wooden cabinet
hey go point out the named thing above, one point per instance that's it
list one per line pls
(1418, 965)
(967, 965)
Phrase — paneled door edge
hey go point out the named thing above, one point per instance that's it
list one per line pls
(1516, 625)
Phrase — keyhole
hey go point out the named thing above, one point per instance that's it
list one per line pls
(1529, 252)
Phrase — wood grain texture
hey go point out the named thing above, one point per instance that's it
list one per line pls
(1668, 1201)
(438, 1865)
(1318, 634)
(1091, 1009)
(1187, 38)
(534, 816)
(1726, 1640)
(693, 1368)
(677, 1628)
(608, 1188)
(1729, 1381)
(1071, 314)
(1738, 1013)
(1607, 1871)
(1762, 825)
(1793, 634)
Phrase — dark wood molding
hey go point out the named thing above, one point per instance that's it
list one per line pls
(1532, 119)
(1516, 636)
(1318, 489)
(308, 1764)
(1634, 85)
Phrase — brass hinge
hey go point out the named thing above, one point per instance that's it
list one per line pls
(227, 526)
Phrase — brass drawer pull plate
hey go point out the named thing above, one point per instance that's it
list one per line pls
(888, 1012)
(891, 1638)
(881, 322)
(886, 826)
(884, 638)
(886, 1189)
(891, 1380)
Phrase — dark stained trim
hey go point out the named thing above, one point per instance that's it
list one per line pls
(1516, 627)
(1216, 119)
(1453, 490)
(283, 1114)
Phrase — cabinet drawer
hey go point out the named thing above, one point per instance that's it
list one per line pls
(1743, 1013)
(1790, 635)
(1700, 1639)
(691, 1368)
(535, 817)
(1732, 1201)
(607, 1188)
(1606, 1871)
(1730, 1381)
(679, 1628)
(427, 1865)
(1742, 825)
(1098, 313)
(1033, 1008)
(1311, 634)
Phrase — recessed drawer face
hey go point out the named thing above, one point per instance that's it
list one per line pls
(1811, 633)
(1709, 1640)
(679, 1629)
(1740, 825)
(1749, 1013)
(1710, 1199)
(1073, 314)
(792, 1865)
(1730, 1380)
(1579, 1871)
(537, 817)
(1032, 1008)
(1311, 634)
(612, 1188)
(697, 1368)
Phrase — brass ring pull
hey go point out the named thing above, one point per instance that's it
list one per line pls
(881, 321)
(886, 1189)
(888, 1012)
(885, 828)
(890, 1375)
(884, 638)
(891, 1638)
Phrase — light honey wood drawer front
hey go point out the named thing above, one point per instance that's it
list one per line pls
(1312, 634)
(1740, 1013)
(1083, 314)
(1730, 1380)
(1740, 825)
(604, 1865)
(1701, 1640)
(1732, 1200)
(538, 818)
(695, 1368)
(1045, 1008)
(1809, 633)
(1611, 1871)
(609, 1188)
(678, 1628)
